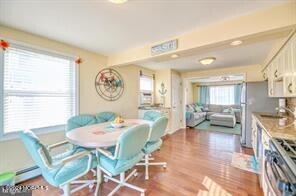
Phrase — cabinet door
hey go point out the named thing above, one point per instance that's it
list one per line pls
(288, 65)
(280, 65)
(270, 80)
(289, 85)
(265, 73)
(293, 54)
(276, 68)
(254, 135)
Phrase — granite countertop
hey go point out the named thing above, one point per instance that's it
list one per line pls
(272, 128)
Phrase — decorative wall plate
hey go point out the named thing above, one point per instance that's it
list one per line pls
(109, 84)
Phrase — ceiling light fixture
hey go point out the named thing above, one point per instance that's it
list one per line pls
(118, 1)
(236, 42)
(225, 78)
(207, 61)
(174, 56)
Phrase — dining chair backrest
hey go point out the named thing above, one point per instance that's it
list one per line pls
(36, 149)
(105, 117)
(152, 115)
(158, 129)
(80, 121)
(132, 141)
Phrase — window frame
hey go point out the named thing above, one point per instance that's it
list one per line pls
(42, 130)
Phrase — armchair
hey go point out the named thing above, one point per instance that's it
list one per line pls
(63, 169)
(154, 142)
(127, 152)
(105, 117)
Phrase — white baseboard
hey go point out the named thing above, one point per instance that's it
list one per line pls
(27, 174)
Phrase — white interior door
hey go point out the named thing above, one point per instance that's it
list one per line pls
(176, 114)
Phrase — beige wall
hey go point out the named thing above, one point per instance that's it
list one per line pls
(16, 157)
(195, 90)
(163, 76)
(252, 72)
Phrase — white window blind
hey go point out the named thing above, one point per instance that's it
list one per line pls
(146, 83)
(222, 95)
(39, 89)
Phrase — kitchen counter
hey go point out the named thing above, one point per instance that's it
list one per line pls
(272, 128)
(152, 108)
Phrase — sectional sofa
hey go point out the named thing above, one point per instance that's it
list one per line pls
(196, 114)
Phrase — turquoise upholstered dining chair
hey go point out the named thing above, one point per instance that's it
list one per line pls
(80, 121)
(127, 152)
(63, 169)
(152, 115)
(105, 117)
(154, 142)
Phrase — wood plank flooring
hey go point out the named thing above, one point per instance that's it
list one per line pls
(198, 164)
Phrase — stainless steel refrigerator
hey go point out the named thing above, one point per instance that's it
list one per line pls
(254, 98)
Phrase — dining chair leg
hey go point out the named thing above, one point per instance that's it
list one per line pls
(99, 176)
(146, 167)
(94, 172)
(66, 189)
(146, 163)
(123, 182)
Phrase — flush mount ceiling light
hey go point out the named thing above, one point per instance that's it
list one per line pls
(236, 42)
(174, 56)
(118, 1)
(207, 61)
(225, 78)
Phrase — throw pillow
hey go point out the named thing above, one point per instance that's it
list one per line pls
(228, 110)
(198, 109)
(190, 108)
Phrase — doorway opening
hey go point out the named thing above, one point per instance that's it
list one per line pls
(215, 103)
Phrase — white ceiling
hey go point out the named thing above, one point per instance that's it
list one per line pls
(245, 54)
(103, 27)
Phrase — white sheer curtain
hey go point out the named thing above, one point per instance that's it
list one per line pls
(222, 95)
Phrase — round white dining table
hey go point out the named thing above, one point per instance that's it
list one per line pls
(100, 136)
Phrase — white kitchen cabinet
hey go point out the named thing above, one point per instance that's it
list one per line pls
(254, 134)
(265, 143)
(265, 139)
(281, 71)
(275, 85)
(290, 86)
(270, 80)
(277, 69)
(265, 73)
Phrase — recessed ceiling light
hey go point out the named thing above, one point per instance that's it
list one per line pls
(236, 42)
(118, 1)
(174, 56)
(207, 61)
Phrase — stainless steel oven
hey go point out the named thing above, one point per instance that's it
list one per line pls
(279, 178)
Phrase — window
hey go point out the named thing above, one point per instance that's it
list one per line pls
(39, 89)
(222, 95)
(146, 83)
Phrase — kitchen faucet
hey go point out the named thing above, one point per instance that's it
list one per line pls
(292, 112)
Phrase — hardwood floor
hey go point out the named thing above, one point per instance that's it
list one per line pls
(198, 164)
